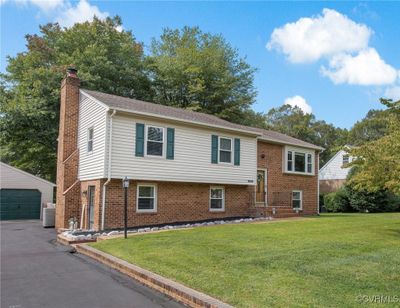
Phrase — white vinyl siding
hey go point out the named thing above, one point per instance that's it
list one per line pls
(192, 157)
(91, 116)
(333, 169)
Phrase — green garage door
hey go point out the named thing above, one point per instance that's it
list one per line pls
(19, 204)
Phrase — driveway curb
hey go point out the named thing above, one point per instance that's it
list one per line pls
(177, 291)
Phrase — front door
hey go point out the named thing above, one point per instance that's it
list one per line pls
(91, 206)
(261, 181)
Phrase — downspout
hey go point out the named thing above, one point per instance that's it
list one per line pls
(103, 199)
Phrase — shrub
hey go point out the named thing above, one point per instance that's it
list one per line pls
(337, 201)
(379, 201)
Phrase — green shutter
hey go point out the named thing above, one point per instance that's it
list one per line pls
(170, 143)
(139, 148)
(237, 151)
(214, 149)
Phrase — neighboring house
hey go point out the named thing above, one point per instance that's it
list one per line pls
(182, 165)
(333, 174)
(22, 195)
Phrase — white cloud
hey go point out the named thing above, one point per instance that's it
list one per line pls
(82, 12)
(309, 39)
(65, 12)
(365, 68)
(44, 5)
(298, 101)
(393, 93)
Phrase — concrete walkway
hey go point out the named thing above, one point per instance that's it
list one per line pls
(38, 272)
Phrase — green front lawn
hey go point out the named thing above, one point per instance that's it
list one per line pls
(321, 261)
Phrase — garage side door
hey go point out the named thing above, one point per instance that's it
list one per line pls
(19, 204)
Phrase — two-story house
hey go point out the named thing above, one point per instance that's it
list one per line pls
(333, 174)
(182, 165)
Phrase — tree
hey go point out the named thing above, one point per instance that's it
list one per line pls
(378, 161)
(200, 71)
(374, 126)
(293, 122)
(108, 60)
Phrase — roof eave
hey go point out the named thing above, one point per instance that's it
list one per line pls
(270, 140)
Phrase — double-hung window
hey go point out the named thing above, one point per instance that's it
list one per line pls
(217, 199)
(298, 161)
(297, 199)
(225, 150)
(90, 135)
(146, 198)
(154, 141)
(346, 160)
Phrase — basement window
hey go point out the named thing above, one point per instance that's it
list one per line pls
(146, 198)
(297, 199)
(90, 134)
(217, 199)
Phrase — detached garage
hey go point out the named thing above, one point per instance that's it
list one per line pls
(22, 195)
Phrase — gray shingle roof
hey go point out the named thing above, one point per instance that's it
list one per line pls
(137, 106)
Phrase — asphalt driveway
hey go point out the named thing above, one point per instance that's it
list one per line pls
(38, 272)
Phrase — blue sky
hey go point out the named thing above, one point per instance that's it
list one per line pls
(336, 58)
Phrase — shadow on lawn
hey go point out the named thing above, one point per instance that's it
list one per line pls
(329, 215)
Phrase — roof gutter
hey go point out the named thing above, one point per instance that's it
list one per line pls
(316, 148)
(103, 199)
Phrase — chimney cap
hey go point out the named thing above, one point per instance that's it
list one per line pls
(72, 72)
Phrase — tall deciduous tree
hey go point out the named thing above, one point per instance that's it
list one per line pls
(108, 60)
(200, 71)
(378, 162)
(293, 122)
(372, 127)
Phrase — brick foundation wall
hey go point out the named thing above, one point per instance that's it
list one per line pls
(177, 202)
(327, 186)
(280, 185)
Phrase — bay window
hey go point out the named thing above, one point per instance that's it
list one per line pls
(299, 161)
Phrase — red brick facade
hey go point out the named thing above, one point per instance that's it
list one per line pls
(176, 202)
(280, 185)
(68, 189)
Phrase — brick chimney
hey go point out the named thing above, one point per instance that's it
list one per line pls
(68, 186)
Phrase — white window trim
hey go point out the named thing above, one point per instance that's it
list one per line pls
(219, 150)
(146, 140)
(154, 210)
(223, 199)
(88, 140)
(299, 150)
(301, 200)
